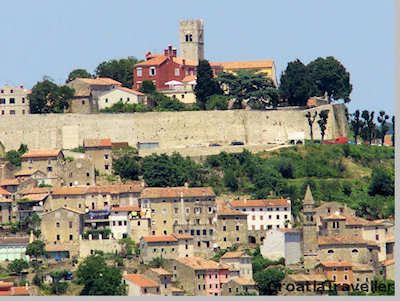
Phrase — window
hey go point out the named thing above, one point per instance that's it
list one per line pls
(345, 277)
(49, 168)
(139, 71)
(106, 156)
(331, 251)
(58, 225)
(253, 217)
(224, 228)
(176, 71)
(377, 236)
(277, 217)
(334, 277)
(70, 225)
(12, 112)
(176, 210)
(237, 228)
(58, 237)
(106, 167)
(83, 102)
(354, 251)
(152, 71)
(71, 237)
(2, 101)
(197, 210)
(269, 216)
(237, 239)
(189, 37)
(12, 101)
(261, 217)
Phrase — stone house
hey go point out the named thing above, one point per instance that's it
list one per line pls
(14, 247)
(199, 276)
(166, 246)
(30, 204)
(140, 285)
(39, 176)
(238, 286)
(87, 93)
(264, 215)
(339, 272)
(99, 151)
(139, 227)
(283, 243)
(44, 160)
(78, 172)
(5, 206)
(182, 210)
(88, 246)
(62, 227)
(164, 279)
(119, 220)
(14, 100)
(117, 94)
(231, 227)
(239, 261)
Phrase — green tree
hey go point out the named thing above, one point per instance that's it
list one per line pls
(393, 130)
(14, 157)
(296, 85)
(147, 87)
(78, 73)
(250, 87)
(35, 249)
(217, 102)
(23, 148)
(389, 286)
(157, 262)
(98, 278)
(165, 103)
(311, 119)
(382, 182)
(382, 119)
(17, 266)
(230, 180)
(127, 167)
(268, 281)
(369, 130)
(322, 122)
(120, 70)
(47, 97)
(356, 125)
(58, 287)
(331, 77)
(206, 85)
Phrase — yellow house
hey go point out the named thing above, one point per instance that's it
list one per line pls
(266, 67)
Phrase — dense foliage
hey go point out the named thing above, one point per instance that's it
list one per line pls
(343, 173)
(206, 85)
(98, 278)
(120, 70)
(78, 73)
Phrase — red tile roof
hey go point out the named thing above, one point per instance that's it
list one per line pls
(140, 280)
(106, 142)
(41, 153)
(244, 281)
(4, 192)
(307, 277)
(25, 172)
(36, 190)
(68, 190)
(198, 263)
(135, 187)
(9, 182)
(125, 209)
(12, 240)
(37, 197)
(7, 289)
(176, 192)
(130, 91)
(261, 203)
(100, 81)
(160, 238)
(157, 60)
(388, 262)
(189, 78)
(236, 254)
(182, 236)
(334, 264)
(261, 64)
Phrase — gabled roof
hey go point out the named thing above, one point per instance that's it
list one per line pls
(106, 142)
(236, 254)
(140, 280)
(14, 240)
(198, 263)
(64, 208)
(9, 182)
(261, 203)
(130, 91)
(41, 153)
(160, 238)
(36, 190)
(335, 264)
(235, 65)
(176, 192)
(4, 192)
(344, 240)
(67, 190)
(100, 81)
(243, 281)
(182, 236)
(26, 172)
(37, 197)
(157, 60)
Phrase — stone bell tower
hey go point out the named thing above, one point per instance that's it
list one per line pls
(310, 231)
(191, 39)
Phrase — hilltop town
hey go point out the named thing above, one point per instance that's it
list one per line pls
(177, 182)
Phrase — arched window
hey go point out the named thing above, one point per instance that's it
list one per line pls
(354, 251)
(331, 251)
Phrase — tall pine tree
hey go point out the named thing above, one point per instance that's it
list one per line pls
(206, 85)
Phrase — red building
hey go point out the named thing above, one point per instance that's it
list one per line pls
(162, 68)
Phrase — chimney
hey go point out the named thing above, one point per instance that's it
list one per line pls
(148, 55)
(166, 52)
(174, 52)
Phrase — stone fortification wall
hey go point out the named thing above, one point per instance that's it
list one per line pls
(169, 129)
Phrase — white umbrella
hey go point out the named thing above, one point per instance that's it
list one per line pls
(173, 83)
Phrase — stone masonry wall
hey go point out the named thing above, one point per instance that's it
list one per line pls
(170, 129)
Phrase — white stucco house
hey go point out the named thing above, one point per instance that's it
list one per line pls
(110, 97)
(282, 243)
(119, 220)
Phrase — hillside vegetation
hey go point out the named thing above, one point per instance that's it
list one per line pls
(359, 175)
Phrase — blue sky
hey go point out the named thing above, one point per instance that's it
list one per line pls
(47, 37)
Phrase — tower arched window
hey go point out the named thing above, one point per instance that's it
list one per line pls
(331, 251)
(354, 251)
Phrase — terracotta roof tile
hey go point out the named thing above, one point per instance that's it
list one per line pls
(335, 264)
(244, 281)
(161, 272)
(236, 254)
(198, 263)
(388, 262)
(140, 280)
(261, 203)
(106, 142)
(189, 78)
(176, 192)
(135, 186)
(41, 153)
(100, 81)
(182, 236)
(36, 197)
(307, 277)
(9, 182)
(334, 216)
(66, 190)
(4, 192)
(160, 238)
(156, 60)
(343, 240)
(11, 240)
(36, 190)
(125, 209)
(130, 91)
(25, 172)
(261, 64)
